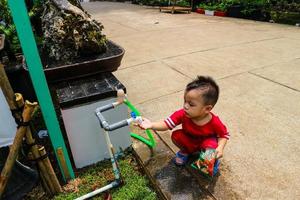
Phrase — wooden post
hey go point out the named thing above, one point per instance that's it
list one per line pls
(10, 161)
(63, 163)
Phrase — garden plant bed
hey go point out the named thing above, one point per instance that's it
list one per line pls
(136, 185)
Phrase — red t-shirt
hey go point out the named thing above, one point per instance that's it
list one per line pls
(213, 128)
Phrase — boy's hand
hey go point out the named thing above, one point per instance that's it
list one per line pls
(219, 153)
(146, 124)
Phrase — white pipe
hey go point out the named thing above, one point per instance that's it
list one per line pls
(91, 194)
(113, 162)
(115, 170)
(121, 96)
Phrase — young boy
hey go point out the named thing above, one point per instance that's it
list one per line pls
(201, 129)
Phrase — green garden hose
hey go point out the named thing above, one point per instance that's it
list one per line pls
(150, 142)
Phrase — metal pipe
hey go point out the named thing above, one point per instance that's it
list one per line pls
(95, 192)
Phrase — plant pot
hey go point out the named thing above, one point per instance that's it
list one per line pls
(235, 11)
(220, 13)
(257, 15)
(200, 10)
(86, 66)
(209, 12)
(285, 17)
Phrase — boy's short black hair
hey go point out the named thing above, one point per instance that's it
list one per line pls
(209, 86)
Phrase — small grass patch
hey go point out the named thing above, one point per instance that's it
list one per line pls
(136, 186)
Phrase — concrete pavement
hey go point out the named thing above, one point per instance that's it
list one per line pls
(257, 66)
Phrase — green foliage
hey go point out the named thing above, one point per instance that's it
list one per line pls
(152, 2)
(285, 17)
(222, 6)
(183, 3)
(286, 5)
(251, 6)
(8, 28)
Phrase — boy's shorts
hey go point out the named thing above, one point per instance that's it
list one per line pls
(192, 144)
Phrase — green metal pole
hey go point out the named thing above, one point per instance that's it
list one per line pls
(25, 34)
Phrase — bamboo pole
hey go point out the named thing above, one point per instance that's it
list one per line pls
(14, 101)
(36, 154)
(7, 89)
(5, 173)
(44, 181)
(52, 175)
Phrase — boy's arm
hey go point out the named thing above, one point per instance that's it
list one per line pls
(158, 126)
(221, 145)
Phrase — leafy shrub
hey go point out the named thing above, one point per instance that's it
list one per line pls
(286, 5)
(152, 2)
(8, 28)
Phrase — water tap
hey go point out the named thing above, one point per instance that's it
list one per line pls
(137, 119)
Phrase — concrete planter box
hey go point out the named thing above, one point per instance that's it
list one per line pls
(209, 12)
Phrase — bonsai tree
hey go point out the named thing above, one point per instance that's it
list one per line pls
(69, 32)
(63, 31)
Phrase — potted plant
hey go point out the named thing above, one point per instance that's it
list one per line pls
(256, 9)
(221, 9)
(211, 8)
(234, 8)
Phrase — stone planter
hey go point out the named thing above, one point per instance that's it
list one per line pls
(87, 66)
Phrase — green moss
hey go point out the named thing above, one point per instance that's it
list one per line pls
(136, 186)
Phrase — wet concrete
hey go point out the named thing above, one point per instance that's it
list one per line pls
(173, 182)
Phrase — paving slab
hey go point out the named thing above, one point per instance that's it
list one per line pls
(228, 61)
(137, 29)
(281, 73)
(257, 67)
(151, 80)
(264, 122)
